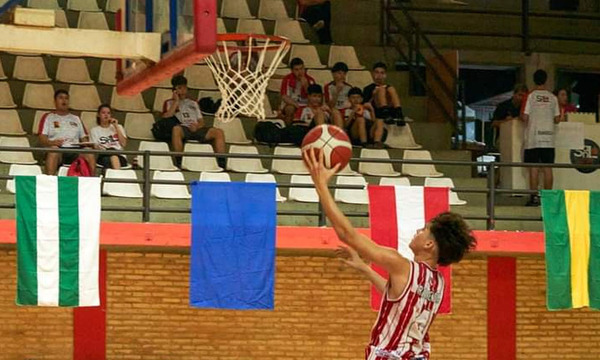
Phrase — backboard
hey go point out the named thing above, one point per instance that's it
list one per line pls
(188, 31)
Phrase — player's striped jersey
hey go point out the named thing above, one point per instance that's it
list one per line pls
(401, 329)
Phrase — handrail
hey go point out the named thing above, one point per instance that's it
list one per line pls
(146, 209)
(452, 93)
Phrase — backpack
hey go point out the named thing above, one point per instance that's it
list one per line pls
(209, 106)
(268, 132)
(79, 167)
(163, 128)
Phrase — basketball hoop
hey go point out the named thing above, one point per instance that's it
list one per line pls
(242, 67)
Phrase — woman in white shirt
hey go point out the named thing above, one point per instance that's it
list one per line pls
(109, 135)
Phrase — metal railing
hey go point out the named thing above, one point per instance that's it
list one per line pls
(491, 191)
(414, 40)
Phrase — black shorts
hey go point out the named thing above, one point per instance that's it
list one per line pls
(104, 161)
(368, 124)
(68, 158)
(539, 156)
(199, 135)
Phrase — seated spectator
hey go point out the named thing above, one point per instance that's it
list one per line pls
(61, 129)
(191, 124)
(363, 129)
(109, 135)
(384, 97)
(317, 113)
(336, 92)
(294, 90)
(511, 108)
(318, 14)
(564, 104)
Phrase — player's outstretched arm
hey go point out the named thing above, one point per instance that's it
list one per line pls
(387, 258)
(352, 259)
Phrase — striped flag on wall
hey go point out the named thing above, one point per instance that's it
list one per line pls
(396, 213)
(572, 233)
(58, 231)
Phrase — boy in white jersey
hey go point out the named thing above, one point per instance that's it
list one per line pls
(336, 91)
(414, 291)
(362, 127)
(541, 112)
(191, 125)
(61, 129)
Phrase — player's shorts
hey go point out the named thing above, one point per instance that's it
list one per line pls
(198, 135)
(539, 155)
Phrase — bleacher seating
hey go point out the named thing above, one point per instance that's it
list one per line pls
(197, 163)
(108, 72)
(351, 196)
(168, 191)
(272, 10)
(401, 137)
(16, 157)
(200, 77)
(160, 97)
(303, 194)
(43, 4)
(10, 123)
(212, 176)
(88, 118)
(394, 181)
(139, 125)
(128, 103)
(84, 97)
(288, 166)
(30, 68)
(309, 54)
(360, 78)
(40, 96)
(126, 190)
(346, 54)
(73, 71)
(82, 5)
(164, 163)
(2, 74)
(376, 169)
(290, 29)
(92, 20)
(244, 165)
(233, 130)
(446, 182)
(60, 19)
(419, 170)
(235, 9)
(250, 26)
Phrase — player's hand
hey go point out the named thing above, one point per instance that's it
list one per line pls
(58, 142)
(193, 127)
(113, 121)
(316, 166)
(175, 95)
(350, 257)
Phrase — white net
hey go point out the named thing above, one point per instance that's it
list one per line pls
(243, 71)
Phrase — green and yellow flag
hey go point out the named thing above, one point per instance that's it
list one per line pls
(572, 232)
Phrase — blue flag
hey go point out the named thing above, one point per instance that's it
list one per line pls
(232, 263)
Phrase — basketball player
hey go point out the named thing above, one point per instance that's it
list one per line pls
(414, 291)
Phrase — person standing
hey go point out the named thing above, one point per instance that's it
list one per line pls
(541, 112)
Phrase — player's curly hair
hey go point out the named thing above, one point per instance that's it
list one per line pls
(453, 237)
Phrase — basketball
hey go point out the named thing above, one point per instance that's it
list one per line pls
(333, 141)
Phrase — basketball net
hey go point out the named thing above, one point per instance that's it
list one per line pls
(242, 72)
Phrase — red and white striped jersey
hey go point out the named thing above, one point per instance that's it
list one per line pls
(401, 329)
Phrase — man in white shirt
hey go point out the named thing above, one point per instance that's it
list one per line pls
(191, 122)
(61, 129)
(540, 115)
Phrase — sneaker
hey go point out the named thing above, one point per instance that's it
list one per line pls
(319, 25)
(389, 120)
(378, 145)
(533, 201)
(400, 122)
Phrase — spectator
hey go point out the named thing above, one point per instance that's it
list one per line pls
(540, 114)
(336, 92)
(318, 14)
(109, 135)
(191, 124)
(61, 129)
(511, 108)
(384, 97)
(294, 90)
(364, 130)
(316, 113)
(564, 104)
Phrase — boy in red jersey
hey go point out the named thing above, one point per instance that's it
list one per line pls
(414, 291)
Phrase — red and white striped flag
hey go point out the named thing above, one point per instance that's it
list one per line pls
(396, 213)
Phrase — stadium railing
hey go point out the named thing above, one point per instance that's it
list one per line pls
(491, 190)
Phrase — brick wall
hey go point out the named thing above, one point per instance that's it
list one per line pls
(321, 313)
(30, 332)
(556, 335)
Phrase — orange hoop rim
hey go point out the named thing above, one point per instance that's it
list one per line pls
(223, 38)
